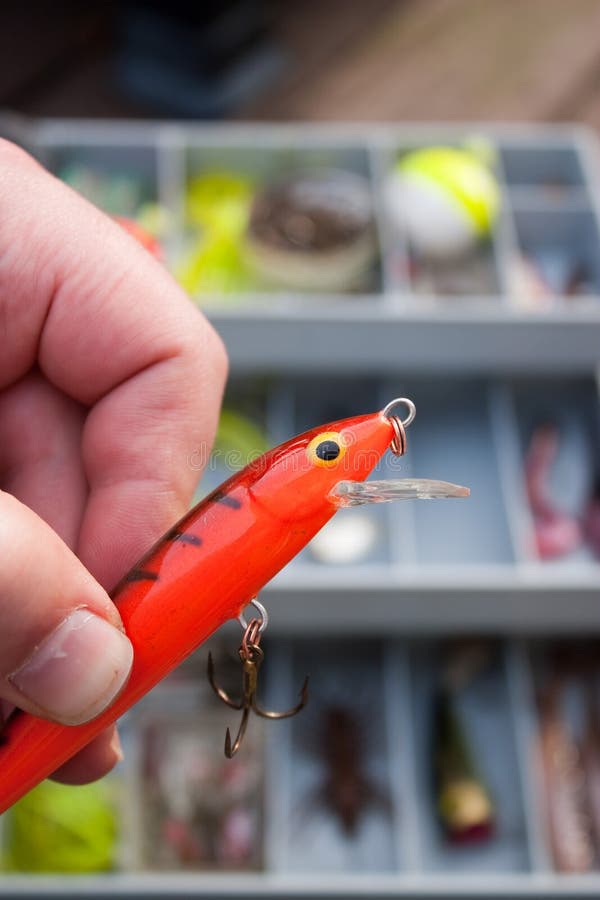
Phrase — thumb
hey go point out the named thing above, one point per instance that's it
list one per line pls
(63, 653)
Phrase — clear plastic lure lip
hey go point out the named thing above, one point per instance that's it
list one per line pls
(356, 493)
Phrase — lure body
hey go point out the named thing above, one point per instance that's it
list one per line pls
(203, 572)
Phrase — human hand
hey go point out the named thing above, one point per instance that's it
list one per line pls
(109, 381)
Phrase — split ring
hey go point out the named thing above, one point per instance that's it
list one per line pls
(412, 410)
(264, 615)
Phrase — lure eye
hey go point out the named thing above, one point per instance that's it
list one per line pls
(326, 449)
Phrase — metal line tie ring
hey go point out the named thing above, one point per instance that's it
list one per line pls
(398, 442)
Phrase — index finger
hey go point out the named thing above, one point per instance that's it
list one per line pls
(108, 326)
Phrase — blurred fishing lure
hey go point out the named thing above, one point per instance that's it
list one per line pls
(464, 804)
(556, 532)
(347, 790)
(565, 788)
(213, 563)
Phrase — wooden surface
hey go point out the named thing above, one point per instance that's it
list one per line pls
(454, 59)
(396, 60)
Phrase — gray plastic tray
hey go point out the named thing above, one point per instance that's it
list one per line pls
(398, 849)
(447, 565)
(548, 178)
(433, 570)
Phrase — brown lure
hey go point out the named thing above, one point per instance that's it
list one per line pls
(347, 791)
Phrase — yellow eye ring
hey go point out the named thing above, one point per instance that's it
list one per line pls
(326, 449)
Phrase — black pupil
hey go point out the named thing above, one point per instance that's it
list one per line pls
(328, 450)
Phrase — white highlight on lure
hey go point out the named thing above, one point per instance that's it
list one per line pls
(356, 493)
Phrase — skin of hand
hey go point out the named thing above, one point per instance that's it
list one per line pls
(110, 381)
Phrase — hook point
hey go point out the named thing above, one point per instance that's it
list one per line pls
(304, 691)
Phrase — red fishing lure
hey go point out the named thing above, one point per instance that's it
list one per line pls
(210, 565)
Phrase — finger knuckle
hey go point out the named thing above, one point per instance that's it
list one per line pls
(218, 353)
(210, 344)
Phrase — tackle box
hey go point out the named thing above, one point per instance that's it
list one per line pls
(484, 367)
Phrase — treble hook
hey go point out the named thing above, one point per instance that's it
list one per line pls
(251, 656)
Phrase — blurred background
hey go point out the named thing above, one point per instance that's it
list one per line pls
(369, 200)
(380, 60)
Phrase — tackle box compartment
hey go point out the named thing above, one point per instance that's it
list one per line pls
(483, 368)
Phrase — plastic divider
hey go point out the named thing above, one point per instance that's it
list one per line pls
(505, 238)
(508, 453)
(393, 240)
(130, 795)
(525, 722)
(588, 151)
(524, 715)
(171, 182)
(278, 758)
(401, 741)
(377, 169)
